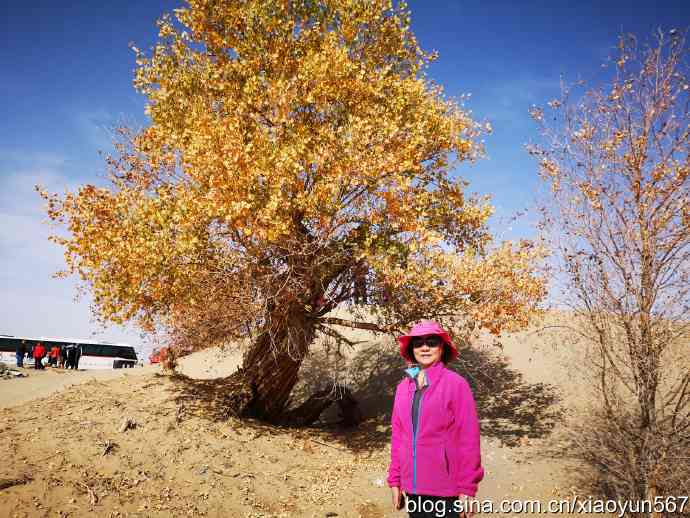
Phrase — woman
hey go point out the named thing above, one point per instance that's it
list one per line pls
(435, 457)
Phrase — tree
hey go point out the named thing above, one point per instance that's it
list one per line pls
(296, 149)
(616, 159)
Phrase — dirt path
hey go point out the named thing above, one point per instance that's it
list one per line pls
(42, 383)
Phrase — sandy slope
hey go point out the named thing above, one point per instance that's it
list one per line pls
(39, 384)
(186, 459)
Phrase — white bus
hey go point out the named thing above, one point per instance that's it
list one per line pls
(94, 355)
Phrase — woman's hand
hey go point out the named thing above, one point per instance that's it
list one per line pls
(467, 507)
(398, 498)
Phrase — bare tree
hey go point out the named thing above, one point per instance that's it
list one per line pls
(616, 159)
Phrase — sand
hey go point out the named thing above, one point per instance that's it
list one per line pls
(61, 431)
(38, 384)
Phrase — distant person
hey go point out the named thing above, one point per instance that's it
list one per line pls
(20, 351)
(73, 354)
(39, 354)
(53, 355)
(435, 457)
(62, 356)
(77, 356)
(69, 357)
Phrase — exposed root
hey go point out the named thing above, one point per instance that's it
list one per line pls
(310, 411)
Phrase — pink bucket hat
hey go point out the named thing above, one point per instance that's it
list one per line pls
(423, 328)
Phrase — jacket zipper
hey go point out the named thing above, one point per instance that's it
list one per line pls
(414, 437)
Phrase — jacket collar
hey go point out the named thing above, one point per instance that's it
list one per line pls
(433, 374)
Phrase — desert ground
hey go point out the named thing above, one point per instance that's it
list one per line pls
(65, 442)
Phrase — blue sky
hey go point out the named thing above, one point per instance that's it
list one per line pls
(67, 77)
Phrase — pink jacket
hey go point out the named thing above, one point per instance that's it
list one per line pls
(444, 458)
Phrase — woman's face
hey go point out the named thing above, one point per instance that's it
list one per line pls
(427, 349)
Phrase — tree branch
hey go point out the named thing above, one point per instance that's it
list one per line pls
(351, 324)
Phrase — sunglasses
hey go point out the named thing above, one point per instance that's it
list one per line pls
(430, 340)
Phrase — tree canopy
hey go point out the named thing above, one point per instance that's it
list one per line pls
(297, 158)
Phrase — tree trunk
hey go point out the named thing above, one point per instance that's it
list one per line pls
(261, 388)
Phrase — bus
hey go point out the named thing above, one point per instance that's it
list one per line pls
(94, 355)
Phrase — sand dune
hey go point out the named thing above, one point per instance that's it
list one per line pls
(184, 457)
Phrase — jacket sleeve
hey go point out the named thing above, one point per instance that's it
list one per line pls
(394, 467)
(466, 466)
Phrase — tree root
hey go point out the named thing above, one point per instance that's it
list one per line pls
(309, 412)
(240, 397)
(240, 394)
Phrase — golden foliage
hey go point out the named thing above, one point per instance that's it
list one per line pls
(292, 146)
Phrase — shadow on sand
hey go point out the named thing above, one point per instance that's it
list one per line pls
(204, 398)
(509, 408)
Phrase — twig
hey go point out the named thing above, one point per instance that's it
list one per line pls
(108, 448)
(128, 424)
(11, 482)
(324, 444)
(92, 495)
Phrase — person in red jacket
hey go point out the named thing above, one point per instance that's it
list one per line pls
(53, 355)
(39, 354)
